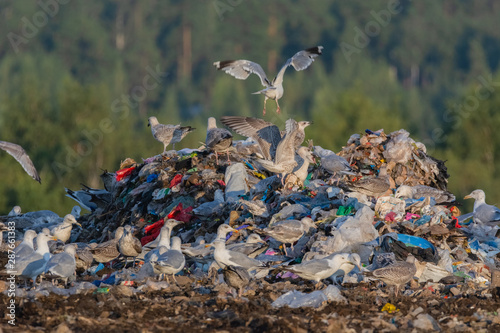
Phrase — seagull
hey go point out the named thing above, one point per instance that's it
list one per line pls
(289, 231)
(374, 187)
(171, 261)
(397, 274)
(33, 264)
(284, 160)
(15, 211)
(320, 269)
(62, 231)
(90, 198)
(128, 245)
(303, 158)
(347, 267)
(26, 246)
(252, 247)
(225, 257)
(108, 251)
(333, 163)
(484, 213)
(419, 191)
(236, 277)
(218, 139)
(241, 69)
(168, 134)
(164, 239)
(62, 265)
(20, 155)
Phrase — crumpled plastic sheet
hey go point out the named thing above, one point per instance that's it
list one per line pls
(296, 299)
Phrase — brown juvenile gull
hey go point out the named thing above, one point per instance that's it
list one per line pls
(484, 213)
(253, 246)
(374, 187)
(320, 269)
(62, 231)
(218, 139)
(236, 277)
(171, 261)
(397, 274)
(108, 251)
(20, 155)
(419, 191)
(289, 231)
(225, 257)
(128, 245)
(164, 238)
(241, 69)
(168, 134)
(62, 265)
(83, 257)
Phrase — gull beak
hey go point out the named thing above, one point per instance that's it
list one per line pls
(78, 224)
(468, 197)
(54, 238)
(208, 245)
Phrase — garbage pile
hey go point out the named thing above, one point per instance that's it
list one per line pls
(409, 212)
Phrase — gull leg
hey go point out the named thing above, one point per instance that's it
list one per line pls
(278, 110)
(216, 158)
(264, 111)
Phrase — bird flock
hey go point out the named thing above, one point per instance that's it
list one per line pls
(276, 151)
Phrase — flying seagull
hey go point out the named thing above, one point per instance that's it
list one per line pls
(20, 155)
(168, 134)
(241, 69)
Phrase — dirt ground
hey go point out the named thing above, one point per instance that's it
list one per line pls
(201, 307)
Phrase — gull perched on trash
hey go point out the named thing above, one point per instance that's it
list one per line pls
(346, 267)
(20, 155)
(241, 69)
(26, 246)
(164, 238)
(289, 231)
(419, 191)
(107, 251)
(33, 264)
(62, 231)
(168, 134)
(397, 274)
(128, 245)
(15, 211)
(225, 257)
(333, 163)
(374, 186)
(253, 246)
(304, 157)
(484, 213)
(171, 261)
(62, 265)
(320, 269)
(236, 277)
(218, 139)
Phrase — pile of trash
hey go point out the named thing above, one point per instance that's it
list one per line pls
(453, 253)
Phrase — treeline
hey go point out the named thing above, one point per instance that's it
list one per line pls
(78, 80)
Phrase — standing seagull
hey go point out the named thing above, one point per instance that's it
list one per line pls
(20, 155)
(484, 213)
(218, 139)
(241, 69)
(168, 134)
(397, 274)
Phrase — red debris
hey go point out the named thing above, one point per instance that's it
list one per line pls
(120, 174)
(176, 181)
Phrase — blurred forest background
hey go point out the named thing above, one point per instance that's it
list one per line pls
(79, 78)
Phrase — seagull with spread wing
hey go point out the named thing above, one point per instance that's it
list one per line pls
(241, 69)
(20, 155)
